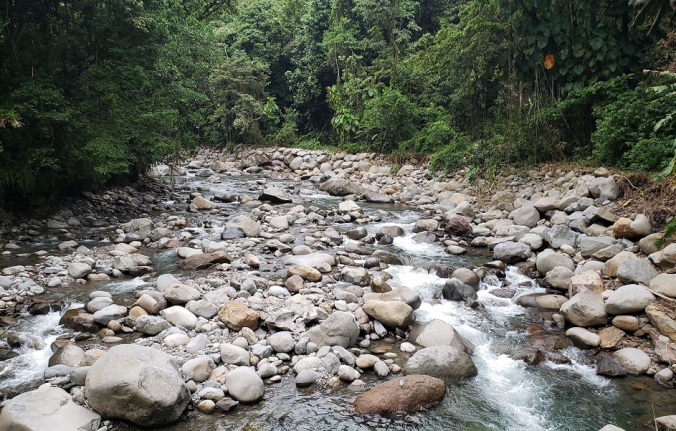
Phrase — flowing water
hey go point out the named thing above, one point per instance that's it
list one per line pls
(506, 395)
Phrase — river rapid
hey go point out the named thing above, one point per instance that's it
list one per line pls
(506, 395)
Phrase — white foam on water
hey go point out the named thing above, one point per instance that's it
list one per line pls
(124, 286)
(32, 360)
(409, 245)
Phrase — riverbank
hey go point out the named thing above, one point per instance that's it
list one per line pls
(334, 272)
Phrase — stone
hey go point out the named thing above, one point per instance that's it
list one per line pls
(611, 266)
(425, 225)
(626, 323)
(542, 301)
(275, 195)
(629, 299)
(198, 369)
(79, 270)
(306, 272)
(181, 294)
(559, 278)
(439, 333)
(246, 225)
(634, 361)
(282, 342)
(47, 408)
(457, 226)
(355, 275)
(279, 222)
(244, 385)
(348, 374)
(456, 290)
(526, 216)
(164, 281)
(583, 338)
(511, 252)
(611, 337)
(636, 270)
(340, 187)
(393, 314)
(560, 235)
(664, 284)
(307, 378)
(661, 321)
(202, 308)
(179, 316)
(604, 188)
(401, 294)
(545, 262)
(202, 203)
(348, 206)
(444, 362)
(589, 245)
(145, 388)
(234, 355)
(404, 394)
(79, 320)
(204, 260)
(587, 280)
(313, 260)
(237, 316)
(585, 309)
(111, 312)
(70, 355)
(151, 325)
(339, 329)
(666, 423)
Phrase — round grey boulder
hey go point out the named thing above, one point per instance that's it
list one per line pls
(629, 299)
(137, 384)
(47, 408)
(444, 362)
(245, 385)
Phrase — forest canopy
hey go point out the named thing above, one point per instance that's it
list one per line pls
(96, 90)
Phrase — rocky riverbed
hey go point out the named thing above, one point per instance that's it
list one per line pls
(287, 289)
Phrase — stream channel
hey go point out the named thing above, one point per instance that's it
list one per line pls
(506, 395)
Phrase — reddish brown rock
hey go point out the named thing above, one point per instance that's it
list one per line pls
(236, 316)
(402, 394)
(204, 261)
(457, 226)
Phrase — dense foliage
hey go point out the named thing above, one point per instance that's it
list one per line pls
(92, 91)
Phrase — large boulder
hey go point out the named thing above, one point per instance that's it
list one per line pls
(666, 423)
(47, 408)
(629, 299)
(457, 226)
(237, 316)
(559, 235)
(636, 270)
(244, 385)
(79, 270)
(393, 314)
(444, 362)
(339, 329)
(137, 384)
(401, 294)
(511, 252)
(664, 284)
(585, 309)
(439, 333)
(403, 394)
(275, 195)
(456, 290)
(660, 320)
(204, 260)
(545, 262)
(604, 188)
(526, 216)
(634, 361)
(245, 224)
(340, 187)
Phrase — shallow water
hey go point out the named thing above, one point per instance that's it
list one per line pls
(506, 395)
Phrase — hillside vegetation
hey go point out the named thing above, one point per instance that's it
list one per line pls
(94, 91)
